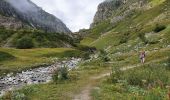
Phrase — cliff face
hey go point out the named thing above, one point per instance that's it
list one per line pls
(10, 23)
(116, 10)
(26, 12)
(105, 10)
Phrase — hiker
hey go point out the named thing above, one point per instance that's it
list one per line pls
(142, 56)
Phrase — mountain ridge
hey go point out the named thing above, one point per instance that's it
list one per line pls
(32, 15)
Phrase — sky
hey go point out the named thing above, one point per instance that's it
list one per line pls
(76, 14)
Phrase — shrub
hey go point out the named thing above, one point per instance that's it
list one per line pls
(159, 28)
(61, 74)
(168, 67)
(18, 96)
(104, 56)
(11, 95)
(73, 76)
(124, 38)
(25, 43)
(142, 37)
(116, 74)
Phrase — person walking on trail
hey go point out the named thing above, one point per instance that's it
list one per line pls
(142, 56)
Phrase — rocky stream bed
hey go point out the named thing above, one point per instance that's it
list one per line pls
(33, 76)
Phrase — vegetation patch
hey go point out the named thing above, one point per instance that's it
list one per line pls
(159, 28)
(16, 60)
(5, 56)
(25, 43)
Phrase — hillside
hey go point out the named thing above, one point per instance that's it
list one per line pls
(25, 21)
(121, 30)
(130, 23)
(28, 38)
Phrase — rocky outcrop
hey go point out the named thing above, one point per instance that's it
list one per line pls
(105, 10)
(28, 13)
(116, 10)
(11, 23)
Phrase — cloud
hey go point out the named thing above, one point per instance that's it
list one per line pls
(76, 14)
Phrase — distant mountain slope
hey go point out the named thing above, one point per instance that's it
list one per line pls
(30, 14)
(130, 24)
(26, 39)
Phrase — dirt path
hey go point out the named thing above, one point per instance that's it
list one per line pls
(86, 91)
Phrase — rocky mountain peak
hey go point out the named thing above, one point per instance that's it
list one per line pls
(32, 15)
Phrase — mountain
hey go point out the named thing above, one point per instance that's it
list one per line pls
(25, 25)
(30, 15)
(129, 24)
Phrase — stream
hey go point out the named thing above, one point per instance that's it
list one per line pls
(33, 76)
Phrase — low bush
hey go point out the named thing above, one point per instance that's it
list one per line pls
(73, 75)
(25, 43)
(61, 74)
(142, 37)
(159, 28)
(104, 56)
(124, 38)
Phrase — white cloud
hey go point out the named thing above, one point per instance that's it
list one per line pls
(76, 14)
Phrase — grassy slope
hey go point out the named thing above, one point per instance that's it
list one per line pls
(10, 38)
(95, 32)
(152, 72)
(128, 52)
(19, 59)
(129, 86)
(140, 22)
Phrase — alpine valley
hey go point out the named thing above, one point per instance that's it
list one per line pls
(41, 59)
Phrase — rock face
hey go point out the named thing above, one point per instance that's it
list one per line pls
(105, 10)
(11, 23)
(30, 14)
(116, 10)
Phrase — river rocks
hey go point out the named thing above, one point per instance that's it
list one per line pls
(34, 76)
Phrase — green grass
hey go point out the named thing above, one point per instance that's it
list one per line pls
(14, 60)
(140, 22)
(129, 84)
(10, 38)
(95, 32)
(156, 2)
(108, 39)
(87, 41)
(64, 90)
